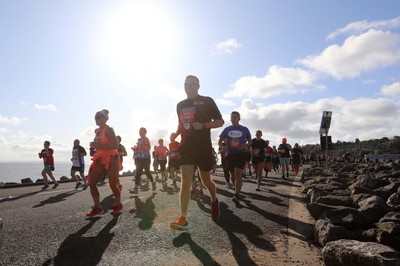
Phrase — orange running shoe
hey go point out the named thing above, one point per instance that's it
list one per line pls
(180, 224)
(95, 211)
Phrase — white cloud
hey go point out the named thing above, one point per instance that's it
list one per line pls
(358, 27)
(224, 102)
(10, 120)
(278, 80)
(368, 51)
(363, 118)
(48, 107)
(228, 46)
(391, 90)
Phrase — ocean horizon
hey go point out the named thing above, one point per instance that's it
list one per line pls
(14, 171)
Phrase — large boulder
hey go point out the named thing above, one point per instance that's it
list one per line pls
(314, 193)
(352, 252)
(345, 216)
(373, 208)
(64, 178)
(26, 181)
(336, 200)
(394, 201)
(370, 182)
(316, 209)
(325, 232)
(382, 237)
(390, 223)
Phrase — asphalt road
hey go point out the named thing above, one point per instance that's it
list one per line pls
(50, 227)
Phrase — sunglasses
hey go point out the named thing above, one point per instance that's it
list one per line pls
(190, 83)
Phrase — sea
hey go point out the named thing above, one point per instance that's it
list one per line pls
(15, 171)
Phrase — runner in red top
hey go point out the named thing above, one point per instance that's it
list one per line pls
(173, 162)
(48, 160)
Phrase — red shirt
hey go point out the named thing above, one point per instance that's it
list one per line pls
(173, 150)
(47, 159)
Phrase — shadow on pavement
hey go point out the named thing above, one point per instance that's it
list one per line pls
(55, 199)
(79, 250)
(233, 225)
(145, 211)
(11, 198)
(297, 226)
(200, 253)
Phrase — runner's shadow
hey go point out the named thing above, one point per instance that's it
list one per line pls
(170, 190)
(55, 199)
(274, 200)
(200, 253)
(77, 249)
(145, 211)
(10, 198)
(296, 225)
(233, 224)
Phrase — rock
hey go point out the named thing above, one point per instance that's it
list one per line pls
(361, 190)
(353, 252)
(328, 187)
(64, 178)
(26, 181)
(394, 201)
(345, 216)
(390, 223)
(325, 232)
(370, 182)
(335, 200)
(314, 193)
(40, 180)
(360, 197)
(347, 168)
(316, 209)
(373, 208)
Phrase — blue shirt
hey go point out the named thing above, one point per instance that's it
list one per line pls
(236, 137)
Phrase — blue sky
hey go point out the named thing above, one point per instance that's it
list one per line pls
(279, 63)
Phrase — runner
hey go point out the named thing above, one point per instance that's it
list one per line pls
(224, 163)
(78, 164)
(197, 116)
(162, 153)
(275, 159)
(48, 160)
(268, 158)
(297, 154)
(105, 160)
(173, 162)
(284, 157)
(142, 160)
(258, 146)
(238, 140)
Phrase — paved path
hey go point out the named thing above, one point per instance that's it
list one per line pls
(49, 227)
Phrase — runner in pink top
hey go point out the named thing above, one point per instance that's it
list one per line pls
(105, 160)
(162, 153)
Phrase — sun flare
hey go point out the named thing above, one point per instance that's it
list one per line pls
(138, 39)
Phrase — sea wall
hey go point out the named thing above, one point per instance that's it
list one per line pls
(356, 208)
(40, 182)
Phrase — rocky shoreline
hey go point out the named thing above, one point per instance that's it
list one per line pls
(356, 208)
(25, 182)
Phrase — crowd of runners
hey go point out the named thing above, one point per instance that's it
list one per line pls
(197, 115)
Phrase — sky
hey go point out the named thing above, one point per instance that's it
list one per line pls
(280, 63)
